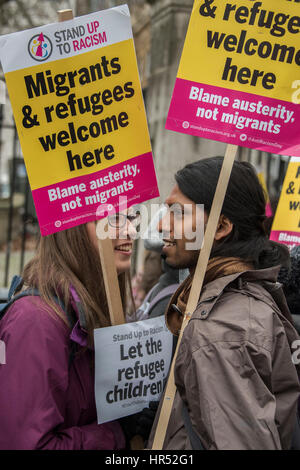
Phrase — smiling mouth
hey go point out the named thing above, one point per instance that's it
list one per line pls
(168, 243)
(127, 248)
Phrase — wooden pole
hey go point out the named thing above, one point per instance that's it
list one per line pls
(196, 288)
(65, 15)
(106, 251)
(111, 282)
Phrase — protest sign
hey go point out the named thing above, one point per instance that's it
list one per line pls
(79, 111)
(286, 225)
(237, 78)
(131, 365)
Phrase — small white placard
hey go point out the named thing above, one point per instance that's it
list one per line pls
(132, 362)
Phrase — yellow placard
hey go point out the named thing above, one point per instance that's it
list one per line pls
(84, 121)
(79, 110)
(245, 46)
(287, 217)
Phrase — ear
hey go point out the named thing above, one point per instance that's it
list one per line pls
(224, 228)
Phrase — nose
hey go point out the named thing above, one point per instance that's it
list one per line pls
(129, 230)
(164, 225)
(132, 232)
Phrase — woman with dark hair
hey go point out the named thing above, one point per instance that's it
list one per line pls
(237, 387)
(47, 396)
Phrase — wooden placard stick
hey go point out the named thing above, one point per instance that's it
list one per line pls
(196, 288)
(106, 251)
(65, 15)
(111, 282)
(2, 92)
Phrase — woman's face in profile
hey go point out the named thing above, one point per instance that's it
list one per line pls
(122, 230)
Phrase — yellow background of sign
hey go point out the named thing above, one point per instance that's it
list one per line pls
(202, 64)
(285, 218)
(46, 168)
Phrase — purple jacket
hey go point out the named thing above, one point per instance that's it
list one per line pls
(43, 403)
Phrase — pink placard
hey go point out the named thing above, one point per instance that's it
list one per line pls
(235, 117)
(77, 201)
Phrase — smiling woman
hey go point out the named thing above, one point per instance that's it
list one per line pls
(49, 343)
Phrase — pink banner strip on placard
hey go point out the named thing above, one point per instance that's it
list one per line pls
(290, 239)
(69, 203)
(235, 117)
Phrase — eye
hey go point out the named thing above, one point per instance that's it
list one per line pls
(116, 220)
(134, 219)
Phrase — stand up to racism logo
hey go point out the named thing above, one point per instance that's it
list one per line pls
(40, 47)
